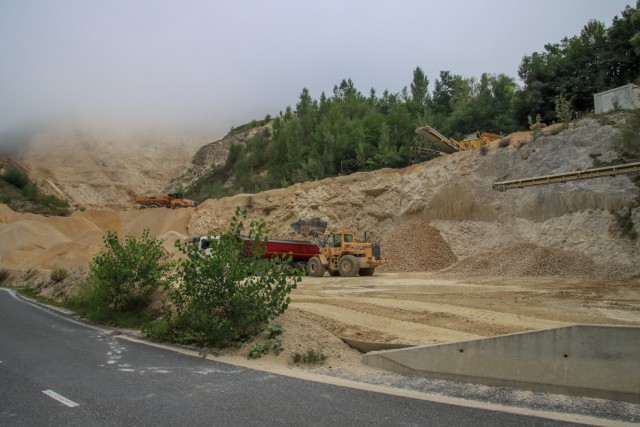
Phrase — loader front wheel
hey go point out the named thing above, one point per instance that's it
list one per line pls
(315, 267)
(348, 266)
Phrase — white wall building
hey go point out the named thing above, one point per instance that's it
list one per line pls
(624, 97)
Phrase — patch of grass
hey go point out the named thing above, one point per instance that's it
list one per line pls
(32, 291)
(311, 357)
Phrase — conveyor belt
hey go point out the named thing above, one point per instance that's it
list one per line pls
(568, 176)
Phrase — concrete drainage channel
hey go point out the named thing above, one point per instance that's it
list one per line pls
(585, 360)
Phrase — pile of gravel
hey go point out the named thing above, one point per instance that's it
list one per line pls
(527, 259)
(415, 246)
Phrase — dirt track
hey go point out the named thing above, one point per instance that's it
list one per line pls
(422, 308)
(425, 308)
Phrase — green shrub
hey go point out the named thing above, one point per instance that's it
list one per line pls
(122, 278)
(228, 293)
(272, 342)
(16, 177)
(311, 357)
(58, 274)
(4, 275)
(30, 192)
(260, 349)
(628, 139)
(624, 223)
(564, 112)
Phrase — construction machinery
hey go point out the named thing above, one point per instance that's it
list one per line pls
(446, 145)
(173, 201)
(340, 253)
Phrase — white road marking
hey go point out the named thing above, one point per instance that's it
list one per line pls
(52, 394)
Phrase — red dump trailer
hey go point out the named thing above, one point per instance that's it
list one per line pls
(300, 251)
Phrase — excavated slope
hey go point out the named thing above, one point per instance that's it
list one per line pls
(453, 194)
(429, 216)
(107, 171)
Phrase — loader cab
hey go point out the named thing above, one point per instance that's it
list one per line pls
(336, 240)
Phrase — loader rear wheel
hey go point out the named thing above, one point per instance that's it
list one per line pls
(367, 271)
(315, 267)
(348, 266)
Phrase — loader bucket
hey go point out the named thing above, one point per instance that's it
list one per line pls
(309, 227)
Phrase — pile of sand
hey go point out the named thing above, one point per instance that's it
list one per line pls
(529, 260)
(415, 246)
(30, 241)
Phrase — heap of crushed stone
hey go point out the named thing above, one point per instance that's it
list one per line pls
(528, 260)
(415, 246)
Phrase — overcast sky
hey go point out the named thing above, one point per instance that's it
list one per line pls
(220, 63)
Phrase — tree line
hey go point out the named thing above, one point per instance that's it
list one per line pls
(348, 131)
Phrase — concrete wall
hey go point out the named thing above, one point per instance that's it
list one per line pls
(587, 360)
(623, 97)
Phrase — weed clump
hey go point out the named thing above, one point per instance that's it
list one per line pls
(311, 357)
(58, 274)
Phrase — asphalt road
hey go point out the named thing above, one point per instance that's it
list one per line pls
(55, 371)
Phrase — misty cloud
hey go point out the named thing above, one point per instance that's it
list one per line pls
(218, 64)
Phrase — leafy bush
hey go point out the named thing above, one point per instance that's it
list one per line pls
(624, 223)
(58, 274)
(227, 293)
(564, 112)
(272, 342)
(629, 137)
(4, 274)
(16, 177)
(259, 349)
(122, 278)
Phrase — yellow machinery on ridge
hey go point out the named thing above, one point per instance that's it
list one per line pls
(446, 145)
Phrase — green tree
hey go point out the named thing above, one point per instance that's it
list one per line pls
(228, 292)
(623, 50)
(123, 276)
(420, 91)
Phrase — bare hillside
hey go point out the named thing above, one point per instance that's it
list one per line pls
(107, 170)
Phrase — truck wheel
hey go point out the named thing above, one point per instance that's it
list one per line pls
(367, 271)
(348, 266)
(315, 267)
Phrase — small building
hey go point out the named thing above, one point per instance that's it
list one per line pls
(625, 97)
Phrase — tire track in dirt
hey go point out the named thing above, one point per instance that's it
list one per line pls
(488, 316)
(410, 332)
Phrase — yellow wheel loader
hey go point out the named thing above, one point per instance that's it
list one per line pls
(340, 254)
